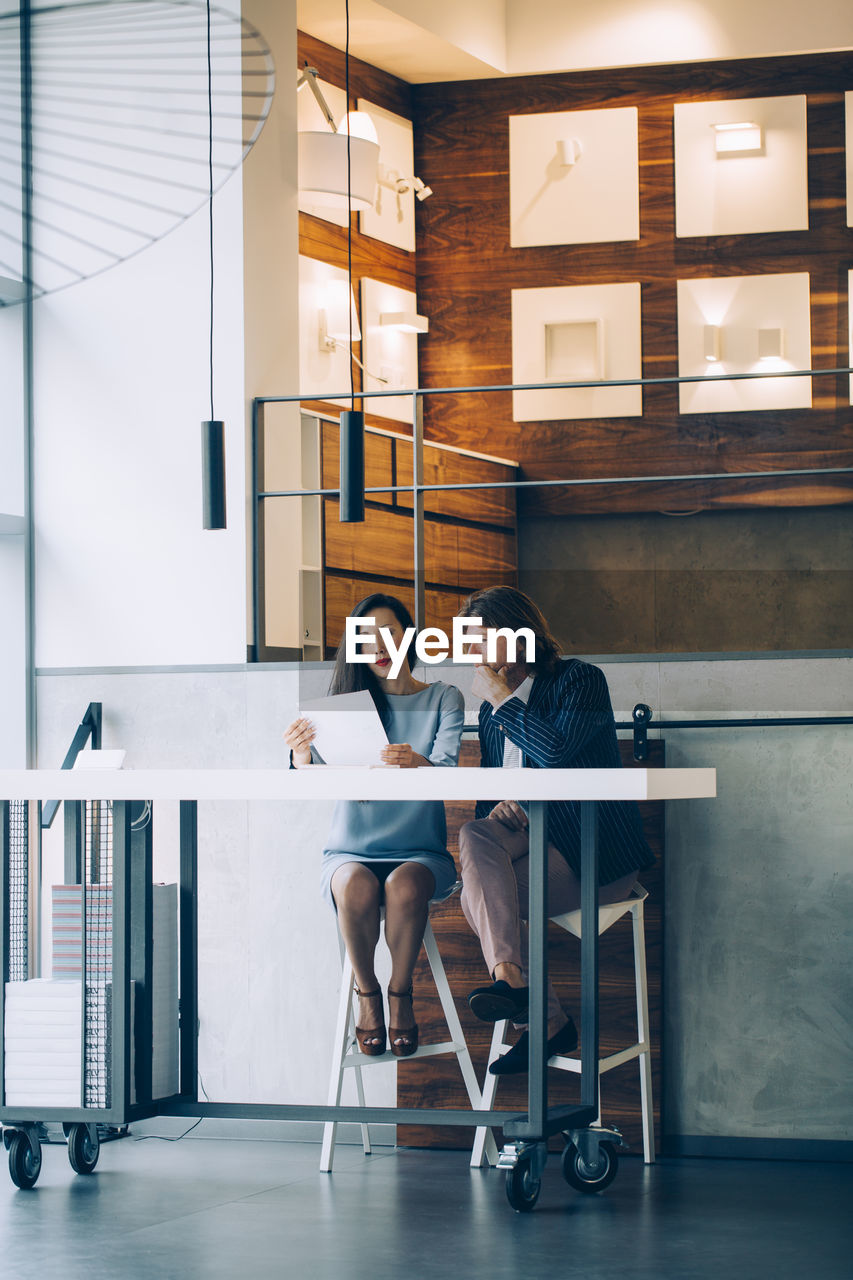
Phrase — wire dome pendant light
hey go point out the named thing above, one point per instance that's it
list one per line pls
(121, 144)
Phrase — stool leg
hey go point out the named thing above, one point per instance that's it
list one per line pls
(484, 1140)
(359, 1091)
(645, 1058)
(457, 1035)
(336, 1075)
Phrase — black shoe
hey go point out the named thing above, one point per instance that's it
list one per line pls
(514, 1061)
(499, 1001)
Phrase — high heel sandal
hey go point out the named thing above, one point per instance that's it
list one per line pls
(363, 1034)
(408, 1035)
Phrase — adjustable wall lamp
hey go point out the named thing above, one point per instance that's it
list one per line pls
(339, 167)
(392, 180)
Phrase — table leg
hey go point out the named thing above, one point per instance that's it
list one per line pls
(188, 929)
(589, 953)
(537, 1103)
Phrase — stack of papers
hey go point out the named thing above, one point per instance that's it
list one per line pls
(67, 933)
(43, 1043)
(349, 730)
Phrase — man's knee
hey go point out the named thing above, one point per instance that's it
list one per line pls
(471, 839)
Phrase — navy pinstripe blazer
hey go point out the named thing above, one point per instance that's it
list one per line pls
(568, 723)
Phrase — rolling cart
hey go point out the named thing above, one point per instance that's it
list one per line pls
(590, 1158)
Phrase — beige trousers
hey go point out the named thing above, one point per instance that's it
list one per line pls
(495, 878)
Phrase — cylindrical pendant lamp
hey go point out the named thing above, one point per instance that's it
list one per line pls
(352, 467)
(213, 473)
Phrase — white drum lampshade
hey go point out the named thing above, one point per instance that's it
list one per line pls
(323, 162)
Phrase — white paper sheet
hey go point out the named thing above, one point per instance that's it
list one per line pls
(349, 730)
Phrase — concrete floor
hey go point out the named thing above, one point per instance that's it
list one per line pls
(222, 1209)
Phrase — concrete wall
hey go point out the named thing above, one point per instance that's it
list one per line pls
(714, 582)
(758, 1007)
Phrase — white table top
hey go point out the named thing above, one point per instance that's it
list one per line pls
(321, 782)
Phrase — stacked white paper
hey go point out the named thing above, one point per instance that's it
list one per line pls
(42, 1043)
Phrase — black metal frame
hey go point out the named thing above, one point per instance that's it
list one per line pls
(89, 727)
(132, 913)
(538, 1122)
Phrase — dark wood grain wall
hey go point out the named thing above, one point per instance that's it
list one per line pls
(436, 1082)
(466, 270)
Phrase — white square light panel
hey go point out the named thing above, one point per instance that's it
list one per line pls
(739, 180)
(310, 119)
(389, 352)
(574, 177)
(323, 288)
(576, 333)
(848, 112)
(751, 315)
(392, 217)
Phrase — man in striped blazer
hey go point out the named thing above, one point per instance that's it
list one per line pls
(547, 714)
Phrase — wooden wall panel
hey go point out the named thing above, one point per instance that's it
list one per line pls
(466, 269)
(383, 544)
(344, 592)
(436, 1082)
(378, 462)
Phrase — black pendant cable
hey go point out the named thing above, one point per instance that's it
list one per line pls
(212, 429)
(352, 421)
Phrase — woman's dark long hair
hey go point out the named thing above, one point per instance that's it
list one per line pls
(351, 677)
(509, 607)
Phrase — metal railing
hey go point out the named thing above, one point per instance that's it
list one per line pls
(418, 488)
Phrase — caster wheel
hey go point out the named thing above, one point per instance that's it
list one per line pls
(83, 1150)
(24, 1163)
(590, 1177)
(522, 1187)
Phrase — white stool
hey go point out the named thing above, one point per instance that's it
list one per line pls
(346, 1053)
(571, 921)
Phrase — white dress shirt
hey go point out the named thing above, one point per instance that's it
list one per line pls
(512, 753)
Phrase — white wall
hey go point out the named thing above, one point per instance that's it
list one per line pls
(553, 35)
(124, 571)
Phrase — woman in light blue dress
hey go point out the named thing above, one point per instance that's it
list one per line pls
(389, 852)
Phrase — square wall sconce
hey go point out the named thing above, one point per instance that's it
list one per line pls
(761, 325)
(391, 323)
(742, 138)
(405, 321)
(582, 334)
(568, 151)
(326, 310)
(712, 343)
(771, 344)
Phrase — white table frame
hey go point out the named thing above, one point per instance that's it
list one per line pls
(189, 786)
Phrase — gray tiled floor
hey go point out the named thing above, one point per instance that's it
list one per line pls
(234, 1210)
